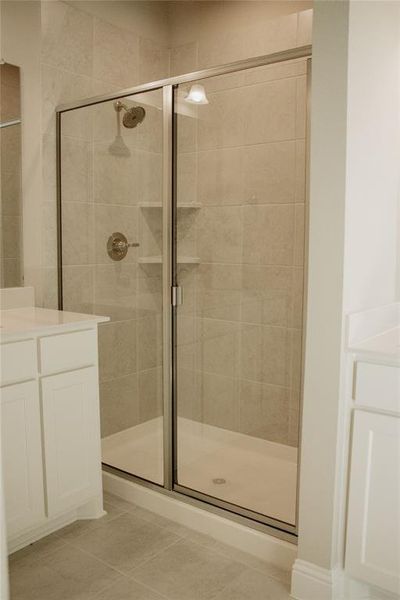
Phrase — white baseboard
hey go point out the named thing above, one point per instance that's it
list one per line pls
(259, 544)
(310, 582)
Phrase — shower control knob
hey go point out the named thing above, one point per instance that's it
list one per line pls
(118, 246)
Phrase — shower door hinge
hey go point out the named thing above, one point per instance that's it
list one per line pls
(176, 295)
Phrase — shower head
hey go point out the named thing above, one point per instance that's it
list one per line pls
(133, 116)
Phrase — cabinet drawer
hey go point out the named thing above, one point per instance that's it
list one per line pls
(68, 351)
(377, 386)
(18, 361)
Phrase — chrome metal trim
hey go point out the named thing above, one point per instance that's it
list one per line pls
(305, 273)
(239, 510)
(59, 214)
(205, 505)
(10, 123)
(240, 65)
(167, 283)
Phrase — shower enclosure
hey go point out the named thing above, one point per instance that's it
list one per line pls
(182, 217)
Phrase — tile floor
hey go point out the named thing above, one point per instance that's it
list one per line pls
(134, 554)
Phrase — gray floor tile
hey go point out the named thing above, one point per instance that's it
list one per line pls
(128, 589)
(188, 571)
(77, 528)
(66, 574)
(38, 551)
(253, 585)
(125, 542)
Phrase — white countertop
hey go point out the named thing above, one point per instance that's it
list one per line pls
(384, 347)
(29, 320)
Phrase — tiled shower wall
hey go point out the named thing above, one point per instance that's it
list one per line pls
(241, 325)
(84, 55)
(243, 160)
(11, 270)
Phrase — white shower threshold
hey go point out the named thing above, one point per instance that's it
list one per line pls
(247, 471)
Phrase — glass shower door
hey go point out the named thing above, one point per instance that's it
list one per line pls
(112, 260)
(240, 156)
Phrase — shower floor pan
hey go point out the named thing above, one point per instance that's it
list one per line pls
(250, 472)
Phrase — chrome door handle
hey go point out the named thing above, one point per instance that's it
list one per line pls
(118, 246)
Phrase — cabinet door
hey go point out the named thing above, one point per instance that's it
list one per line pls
(21, 443)
(373, 529)
(71, 438)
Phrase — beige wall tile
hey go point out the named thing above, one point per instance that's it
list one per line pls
(77, 224)
(183, 59)
(76, 182)
(264, 411)
(266, 354)
(304, 27)
(119, 404)
(217, 346)
(225, 120)
(189, 401)
(78, 289)
(186, 232)
(117, 349)
(270, 110)
(220, 400)
(271, 35)
(67, 37)
(219, 291)
(187, 178)
(115, 54)
(49, 241)
(301, 107)
(296, 358)
(292, 68)
(11, 149)
(221, 176)
(297, 298)
(219, 234)
(268, 233)
(300, 171)
(225, 47)
(59, 87)
(11, 230)
(153, 61)
(150, 394)
(187, 133)
(270, 173)
(10, 200)
(149, 342)
(115, 290)
(267, 295)
(299, 235)
(115, 177)
(148, 185)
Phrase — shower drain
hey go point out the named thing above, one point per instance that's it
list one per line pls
(219, 480)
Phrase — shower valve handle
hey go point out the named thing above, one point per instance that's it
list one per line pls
(118, 246)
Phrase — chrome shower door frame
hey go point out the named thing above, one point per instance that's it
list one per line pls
(169, 274)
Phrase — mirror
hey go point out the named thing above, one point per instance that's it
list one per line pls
(11, 256)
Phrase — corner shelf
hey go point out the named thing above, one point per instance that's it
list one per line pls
(156, 260)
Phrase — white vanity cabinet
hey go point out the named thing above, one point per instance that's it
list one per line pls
(373, 520)
(21, 438)
(50, 426)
